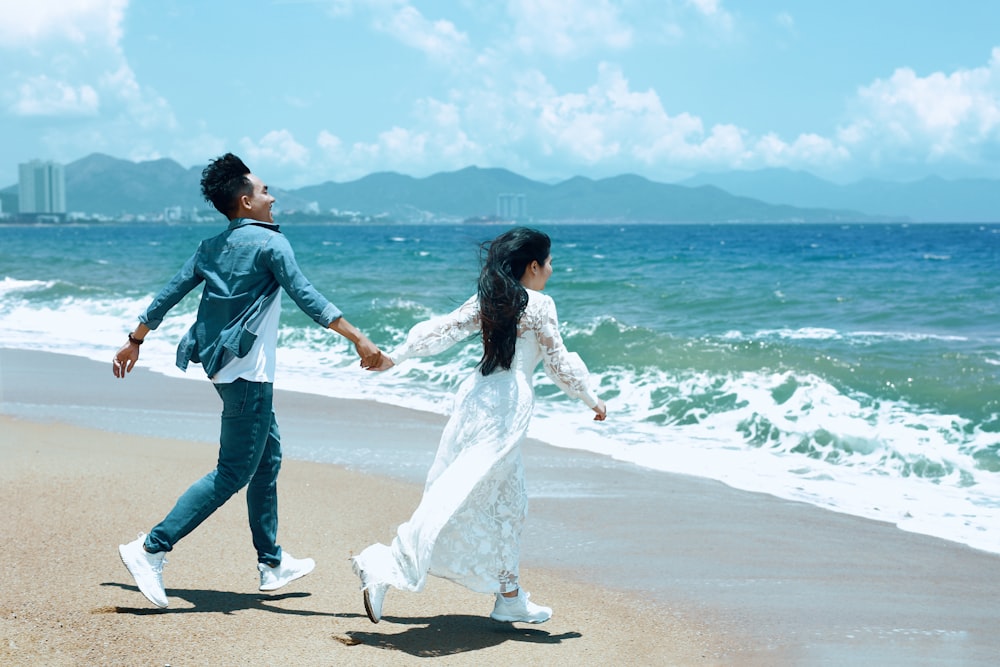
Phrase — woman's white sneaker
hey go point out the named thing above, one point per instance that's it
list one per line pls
(373, 592)
(374, 595)
(519, 609)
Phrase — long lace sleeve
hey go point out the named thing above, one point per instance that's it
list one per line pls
(439, 333)
(563, 367)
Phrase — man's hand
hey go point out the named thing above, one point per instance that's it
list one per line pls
(370, 354)
(125, 359)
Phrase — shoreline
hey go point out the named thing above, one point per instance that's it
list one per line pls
(745, 578)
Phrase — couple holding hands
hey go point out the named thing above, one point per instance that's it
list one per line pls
(467, 526)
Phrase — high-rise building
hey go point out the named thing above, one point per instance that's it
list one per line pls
(41, 187)
(8, 203)
(512, 206)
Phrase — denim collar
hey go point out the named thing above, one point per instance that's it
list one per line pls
(242, 222)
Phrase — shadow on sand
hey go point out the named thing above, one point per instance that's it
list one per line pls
(446, 635)
(205, 601)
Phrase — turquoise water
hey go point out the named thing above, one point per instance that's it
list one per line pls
(854, 367)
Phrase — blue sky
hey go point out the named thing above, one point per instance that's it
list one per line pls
(313, 90)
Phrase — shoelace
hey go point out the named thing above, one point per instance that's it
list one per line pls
(158, 567)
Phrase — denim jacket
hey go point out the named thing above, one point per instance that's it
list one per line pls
(242, 268)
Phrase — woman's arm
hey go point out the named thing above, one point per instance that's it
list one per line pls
(437, 334)
(563, 367)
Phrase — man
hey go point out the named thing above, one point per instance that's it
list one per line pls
(244, 270)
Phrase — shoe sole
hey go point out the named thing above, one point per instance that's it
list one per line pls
(121, 554)
(368, 608)
(511, 619)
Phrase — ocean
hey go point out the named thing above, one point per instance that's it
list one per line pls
(854, 367)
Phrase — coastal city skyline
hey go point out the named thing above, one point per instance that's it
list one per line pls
(102, 187)
(309, 91)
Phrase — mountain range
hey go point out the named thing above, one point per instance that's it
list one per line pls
(932, 199)
(104, 185)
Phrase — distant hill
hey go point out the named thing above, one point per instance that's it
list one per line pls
(100, 184)
(932, 199)
(461, 194)
(473, 191)
(109, 186)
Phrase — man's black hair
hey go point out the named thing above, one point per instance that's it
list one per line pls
(224, 181)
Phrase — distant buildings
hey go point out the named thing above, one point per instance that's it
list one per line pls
(41, 188)
(8, 203)
(512, 207)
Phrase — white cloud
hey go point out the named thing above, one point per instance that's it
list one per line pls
(404, 145)
(339, 8)
(277, 147)
(30, 22)
(523, 121)
(198, 148)
(612, 123)
(330, 144)
(66, 60)
(438, 39)
(610, 127)
(144, 107)
(568, 28)
(448, 135)
(938, 117)
(43, 96)
(724, 144)
(436, 142)
(807, 150)
(606, 128)
(497, 113)
(786, 21)
(707, 7)
(712, 11)
(683, 143)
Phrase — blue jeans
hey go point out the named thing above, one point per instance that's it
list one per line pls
(249, 453)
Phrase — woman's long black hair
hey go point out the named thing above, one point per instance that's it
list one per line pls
(502, 298)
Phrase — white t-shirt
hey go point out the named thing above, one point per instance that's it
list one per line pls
(258, 365)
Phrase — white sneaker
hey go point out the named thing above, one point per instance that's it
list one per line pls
(146, 569)
(519, 609)
(373, 592)
(290, 569)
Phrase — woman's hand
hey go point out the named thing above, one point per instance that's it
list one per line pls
(602, 411)
(384, 364)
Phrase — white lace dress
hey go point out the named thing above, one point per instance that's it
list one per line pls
(467, 527)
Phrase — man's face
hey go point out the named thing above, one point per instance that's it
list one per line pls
(258, 205)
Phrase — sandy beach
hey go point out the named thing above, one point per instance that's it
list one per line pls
(639, 567)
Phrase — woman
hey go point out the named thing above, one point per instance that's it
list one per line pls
(467, 527)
